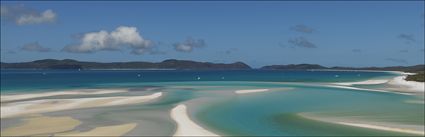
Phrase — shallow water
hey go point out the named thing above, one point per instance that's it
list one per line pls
(214, 105)
(257, 114)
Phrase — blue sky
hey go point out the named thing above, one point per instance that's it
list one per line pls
(258, 33)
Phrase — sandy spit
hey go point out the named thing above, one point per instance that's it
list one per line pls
(250, 91)
(185, 126)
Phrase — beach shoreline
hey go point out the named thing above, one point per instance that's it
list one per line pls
(397, 83)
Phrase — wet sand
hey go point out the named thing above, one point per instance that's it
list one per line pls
(393, 127)
(51, 105)
(116, 130)
(42, 125)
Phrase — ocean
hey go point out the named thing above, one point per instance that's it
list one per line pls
(298, 103)
(41, 80)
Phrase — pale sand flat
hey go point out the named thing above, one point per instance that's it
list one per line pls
(42, 125)
(380, 127)
(51, 105)
(393, 127)
(185, 126)
(364, 89)
(245, 91)
(366, 82)
(117, 130)
(5, 98)
(250, 91)
(415, 101)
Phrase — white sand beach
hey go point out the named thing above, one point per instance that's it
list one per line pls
(51, 105)
(6, 98)
(250, 91)
(349, 121)
(399, 83)
(185, 126)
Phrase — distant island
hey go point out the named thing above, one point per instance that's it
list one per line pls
(412, 69)
(194, 65)
(418, 69)
(166, 64)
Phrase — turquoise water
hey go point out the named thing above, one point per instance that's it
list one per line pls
(268, 114)
(212, 103)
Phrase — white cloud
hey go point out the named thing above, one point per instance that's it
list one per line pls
(23, 15)
(121, 37)
(303, 29)
(189, 44)
(47, 16)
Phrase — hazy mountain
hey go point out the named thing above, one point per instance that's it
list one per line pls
(166, 64)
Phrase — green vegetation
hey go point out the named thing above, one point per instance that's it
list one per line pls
(420, 77)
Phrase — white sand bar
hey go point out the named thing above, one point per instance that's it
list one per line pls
(366, 82)
(250, 91)
(5, 98)
(51, 105)
(185, 126)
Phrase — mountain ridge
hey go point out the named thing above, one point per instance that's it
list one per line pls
(183, 64)
(166, 64)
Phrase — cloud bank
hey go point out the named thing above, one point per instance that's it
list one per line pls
(22, 15)
(400, 61)
(408, 38)
(122, 37)
(230, 51)
(356, 50)
(303, 29)
(189, 44)
(403, 51)
(301, 42)
(35, 47)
